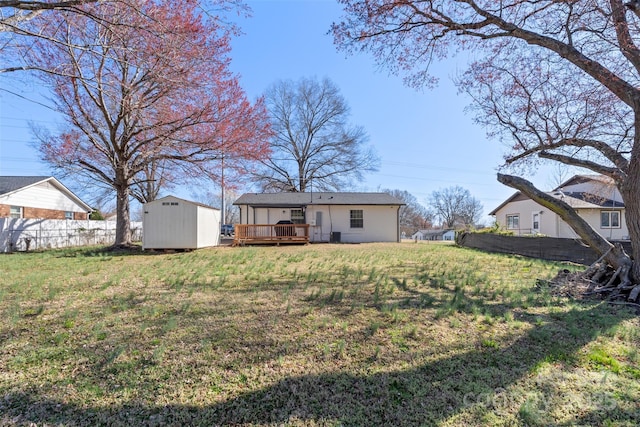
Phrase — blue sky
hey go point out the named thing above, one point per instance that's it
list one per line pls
(425, 140)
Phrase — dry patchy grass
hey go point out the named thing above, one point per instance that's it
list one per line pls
(376, 334)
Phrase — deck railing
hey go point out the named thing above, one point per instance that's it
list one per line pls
(270, 233)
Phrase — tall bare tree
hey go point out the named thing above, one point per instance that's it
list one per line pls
(455, 207)
(17, 31)
(413, 216)
(557, 80)
(313, 145)
(153, 94)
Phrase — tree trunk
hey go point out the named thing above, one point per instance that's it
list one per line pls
(631, 196)
(123, 225)
(614, 255)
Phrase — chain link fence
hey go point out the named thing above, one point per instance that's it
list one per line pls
(36, 234)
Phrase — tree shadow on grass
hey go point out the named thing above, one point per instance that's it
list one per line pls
(426, 395)
(89, 252)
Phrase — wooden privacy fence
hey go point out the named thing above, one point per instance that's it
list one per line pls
(246, 234)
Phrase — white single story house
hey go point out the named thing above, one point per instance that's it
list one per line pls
(594, 197)
(332, 217)
(434, 235)
(39, 197)
(174, 223)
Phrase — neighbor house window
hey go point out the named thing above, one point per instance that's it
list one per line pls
(513, 221)
(297, 216)
(357, 218)
(609, 219)
(15, 212)
(68, 215)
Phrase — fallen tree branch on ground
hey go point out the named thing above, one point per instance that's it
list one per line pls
(610, 275)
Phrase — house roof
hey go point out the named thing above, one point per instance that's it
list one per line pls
(588, 200)
(321, 198)
(12, 184)
(9, 184)
(182, 200)
(577, 200)
(509, 200)
(579, 179)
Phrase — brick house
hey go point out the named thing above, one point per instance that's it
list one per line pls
(39, 197)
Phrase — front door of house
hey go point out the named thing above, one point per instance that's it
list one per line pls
(536, 223)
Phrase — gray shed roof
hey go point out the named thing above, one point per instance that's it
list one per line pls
(321, 198)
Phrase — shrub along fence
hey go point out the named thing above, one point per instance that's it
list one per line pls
(32, 234)
(548, 248)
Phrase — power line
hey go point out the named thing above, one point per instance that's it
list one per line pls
(23, 119)
(30, 100)
(430, 167)
(432, 179)
(20, 159)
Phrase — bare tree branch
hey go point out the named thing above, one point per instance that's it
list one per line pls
(313, 144)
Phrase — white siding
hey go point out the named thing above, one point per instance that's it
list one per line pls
(42, 196)
(269, 215)
(320, 230)
(208, 227)
(380, 222)
(525, 209)
(552, 225)
(593, 217)
(173, 223)
(263, 215)
(418, 235)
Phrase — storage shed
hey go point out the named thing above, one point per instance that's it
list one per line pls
(174, 223)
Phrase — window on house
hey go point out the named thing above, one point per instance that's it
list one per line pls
(609, 219)
(68, 215)
(297, 216)
(513, 222)
(357, 218)
(15, 212)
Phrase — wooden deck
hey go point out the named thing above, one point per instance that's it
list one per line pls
(252, 234)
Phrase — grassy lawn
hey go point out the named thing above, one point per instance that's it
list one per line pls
(376, 334)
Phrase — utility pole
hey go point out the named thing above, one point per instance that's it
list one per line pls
(222, 216)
